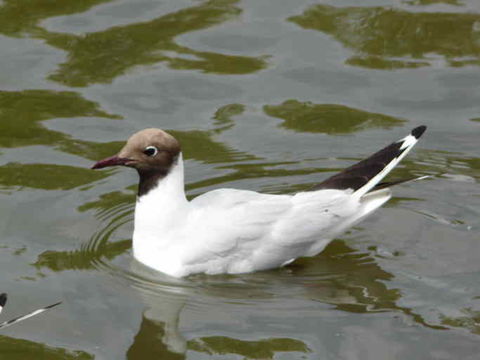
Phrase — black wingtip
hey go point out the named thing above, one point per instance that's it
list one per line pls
(53, 305)
(418, 131)
(3, 299)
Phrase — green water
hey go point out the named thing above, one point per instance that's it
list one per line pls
(265, 95)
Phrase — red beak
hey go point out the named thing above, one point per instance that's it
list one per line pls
(111, 161)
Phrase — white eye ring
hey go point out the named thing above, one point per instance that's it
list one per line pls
(150, 151)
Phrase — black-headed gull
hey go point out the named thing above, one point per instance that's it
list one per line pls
(240, 231)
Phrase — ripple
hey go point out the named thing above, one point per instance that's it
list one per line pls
(316, 277)
(341, 277)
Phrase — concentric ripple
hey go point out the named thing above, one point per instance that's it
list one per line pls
(342, 277)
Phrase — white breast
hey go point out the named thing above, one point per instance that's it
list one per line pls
(232, 231)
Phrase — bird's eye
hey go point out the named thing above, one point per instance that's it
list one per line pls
(150, 151)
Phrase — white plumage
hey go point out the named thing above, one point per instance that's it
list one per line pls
(238, 231)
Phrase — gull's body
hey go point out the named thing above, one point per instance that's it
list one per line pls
(238, 231)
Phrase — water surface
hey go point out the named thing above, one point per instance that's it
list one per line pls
(271, 96)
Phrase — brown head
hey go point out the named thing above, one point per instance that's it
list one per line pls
(152, 152)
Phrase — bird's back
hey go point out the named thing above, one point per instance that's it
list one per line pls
(238, 231)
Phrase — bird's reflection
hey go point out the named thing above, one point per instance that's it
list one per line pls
(150, 343)
(159, 335)
(341, 276)
(154, 340)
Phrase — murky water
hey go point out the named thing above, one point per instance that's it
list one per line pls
(264, 95)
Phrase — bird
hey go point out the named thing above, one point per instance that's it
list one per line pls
(232, 231)
(3, 301)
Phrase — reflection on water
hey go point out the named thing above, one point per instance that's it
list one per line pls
(21, 18)
(99, 57)
(200, 146)
(100, 248)
(21, 116)
(470, 320)
(439, 163)
(328, 118)
(80, 259)
(223, 116)
(257, 170)
(20, 125)
(148, 343)
(153, 341)
(34, 106)
(23, 111)
(431, 2)
(434, 163)
(110, 204)
(340, 276)
(45, 176)
(356, 282)
(19, 349)
(252, 316)
(388, 38)
(349, 280)
(260, 349)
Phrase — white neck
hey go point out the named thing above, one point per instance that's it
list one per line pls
(161, 208)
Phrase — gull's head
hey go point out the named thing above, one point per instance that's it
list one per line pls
(149, 151)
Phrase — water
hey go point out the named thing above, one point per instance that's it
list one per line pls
(264, 95)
